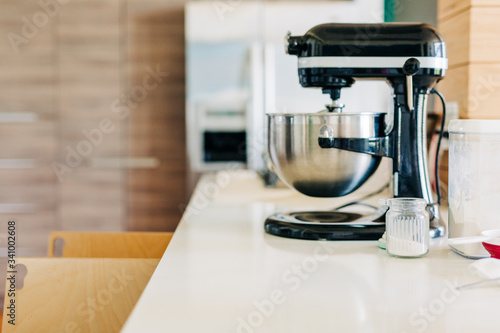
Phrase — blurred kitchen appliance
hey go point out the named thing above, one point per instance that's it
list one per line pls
(236, 73)
(332, 153)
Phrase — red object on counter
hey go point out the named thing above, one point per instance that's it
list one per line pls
(493, 249)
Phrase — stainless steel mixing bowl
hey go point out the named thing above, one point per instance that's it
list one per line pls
(322, 172)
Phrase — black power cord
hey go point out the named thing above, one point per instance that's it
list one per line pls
(436, 173)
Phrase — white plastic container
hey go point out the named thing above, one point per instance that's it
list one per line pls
(474, 184)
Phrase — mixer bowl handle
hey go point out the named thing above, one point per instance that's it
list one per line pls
(379, 146)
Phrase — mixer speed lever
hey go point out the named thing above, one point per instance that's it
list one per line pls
(410, 68)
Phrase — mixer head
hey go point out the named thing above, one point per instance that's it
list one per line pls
(331, 56)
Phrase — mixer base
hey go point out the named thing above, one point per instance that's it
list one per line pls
(326, 225)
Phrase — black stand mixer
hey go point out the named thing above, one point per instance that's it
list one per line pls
(332, 153)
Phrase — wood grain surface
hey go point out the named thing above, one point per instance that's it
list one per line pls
(77, 295)
(67, 77)
(450, 8)
(108, 244)
(471, 36)
(470, 30)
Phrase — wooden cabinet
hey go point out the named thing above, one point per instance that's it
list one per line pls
(120, 62)
(473, 79)
(28, 112)
(89, 59)
(155, 52)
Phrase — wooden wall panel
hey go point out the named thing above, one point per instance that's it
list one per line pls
(486, 3)
(473, 80)
(28, 140)
(484, 92)
(456, 34)
(157, 124)
(33, 230)
(68, 78)
(33, 187)
(155, 208)
(28, 114)
(91, 200)
(476, 89)
(448, 8)
(90, 72)
(90, 79)
(455, 87)
(471, 36)
(484, 40)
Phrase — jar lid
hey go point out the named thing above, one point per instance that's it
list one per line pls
(403, 203)
(474, 126)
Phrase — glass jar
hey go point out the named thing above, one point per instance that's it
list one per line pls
(407, 227)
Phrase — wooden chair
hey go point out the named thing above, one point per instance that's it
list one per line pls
(108, 244)
(76, 295)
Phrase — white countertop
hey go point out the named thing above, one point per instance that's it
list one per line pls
(223, 273)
